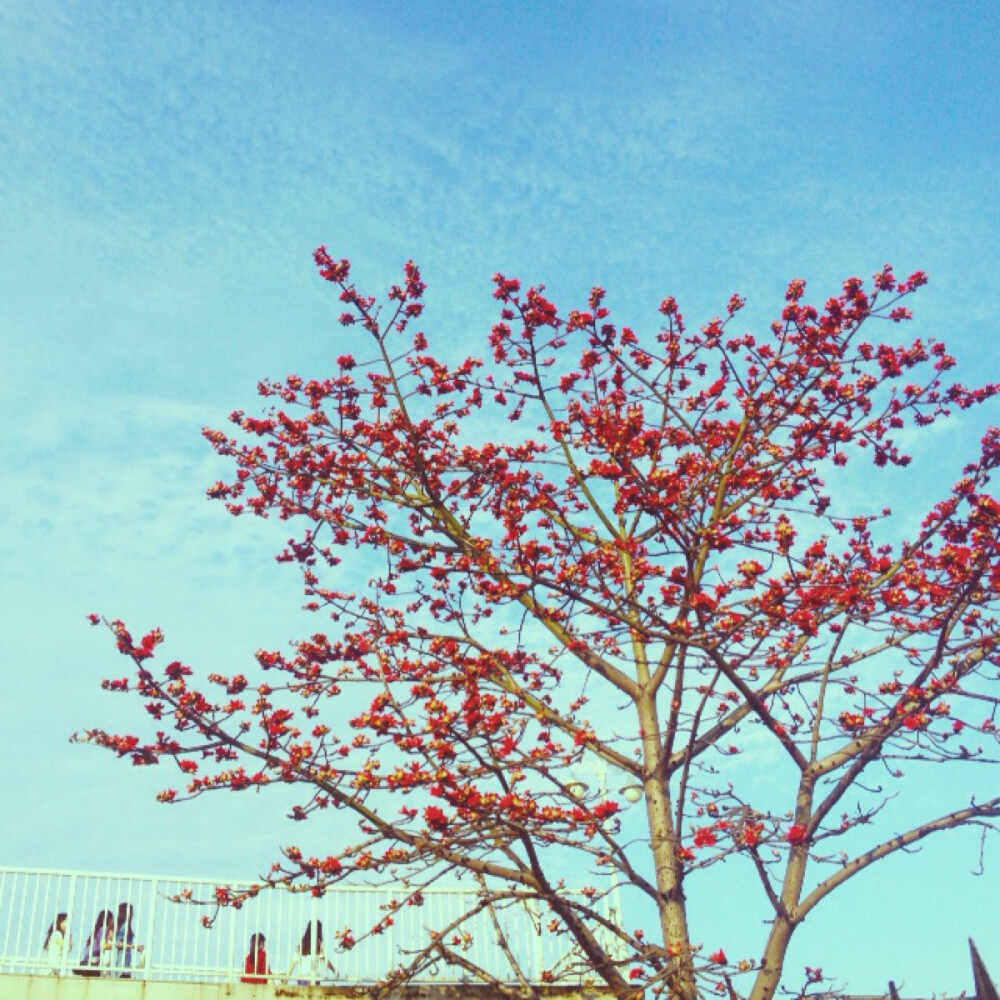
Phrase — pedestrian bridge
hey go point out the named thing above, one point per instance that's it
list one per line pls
(182, 946)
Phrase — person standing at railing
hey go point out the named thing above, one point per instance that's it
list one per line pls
(255, 968)
(98, 945)
(124, 938)
(309, 960)
(57, 943)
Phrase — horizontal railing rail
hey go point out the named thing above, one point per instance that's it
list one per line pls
(169, 939)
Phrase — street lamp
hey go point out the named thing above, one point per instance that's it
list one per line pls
(631, 793)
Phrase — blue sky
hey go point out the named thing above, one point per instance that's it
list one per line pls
(167, 169)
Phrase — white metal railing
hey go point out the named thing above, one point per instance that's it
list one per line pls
(170, 941)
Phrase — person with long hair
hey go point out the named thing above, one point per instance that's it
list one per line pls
(97, 945)
(124, 938)
(57, 943)
(255, 968)
(309, 960)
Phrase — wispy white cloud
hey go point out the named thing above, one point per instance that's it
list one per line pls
(165, 175)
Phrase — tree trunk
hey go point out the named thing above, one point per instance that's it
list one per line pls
(791, 892)
(669, 869)
(769, 976)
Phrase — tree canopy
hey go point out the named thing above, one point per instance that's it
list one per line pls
(601, 546)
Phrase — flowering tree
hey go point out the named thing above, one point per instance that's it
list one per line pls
(609, 548)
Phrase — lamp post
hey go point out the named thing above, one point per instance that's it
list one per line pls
(630, 792)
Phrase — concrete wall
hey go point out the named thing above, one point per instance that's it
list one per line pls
(18, 987)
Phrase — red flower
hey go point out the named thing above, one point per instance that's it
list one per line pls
(605, 809)
(436, 818)
(851, 721)
(704, 837)
(719, 957)
(796, 834)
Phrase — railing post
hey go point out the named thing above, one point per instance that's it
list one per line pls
(231, 960)
(147, 945)
(539, 939)
(68, 937)
(314, 908)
